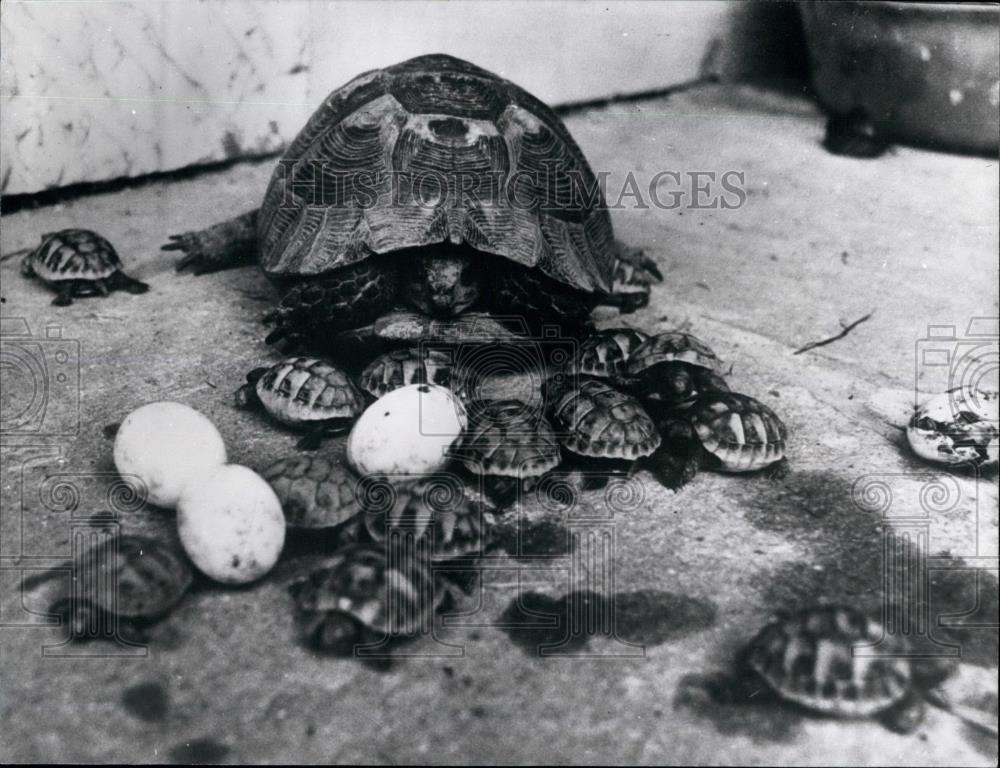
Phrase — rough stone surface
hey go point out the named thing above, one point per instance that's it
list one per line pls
(820, 239)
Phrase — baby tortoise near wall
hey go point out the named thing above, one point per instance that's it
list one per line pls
(349, 235)
(78, 262)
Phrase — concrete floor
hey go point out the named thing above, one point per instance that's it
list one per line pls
(820, 240)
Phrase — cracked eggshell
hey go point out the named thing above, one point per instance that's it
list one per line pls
(231, 525)
(408, 431)
(957, 427)
(168, 446)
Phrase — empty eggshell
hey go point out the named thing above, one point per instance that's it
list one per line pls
(408, 431)
(168, 446)
(231, 525)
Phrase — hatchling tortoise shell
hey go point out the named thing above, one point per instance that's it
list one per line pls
(435, 510)
(672, 346)
(816, 658)
(130, 577)
(78, 262)
(741, 432)
(357, 597)
(509, 438)
(301, 391)
(413, 365)
(315, 492)
(594, 419)
(606, 353)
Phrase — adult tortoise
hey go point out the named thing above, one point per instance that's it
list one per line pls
(431, 187)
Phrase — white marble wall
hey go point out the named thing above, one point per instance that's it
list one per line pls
(101, 89)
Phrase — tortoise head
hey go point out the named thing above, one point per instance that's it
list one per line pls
(442, 283)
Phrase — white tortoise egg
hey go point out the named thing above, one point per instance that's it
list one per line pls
(407, 431)
(957, 427)
(231, 525)
(168, 446)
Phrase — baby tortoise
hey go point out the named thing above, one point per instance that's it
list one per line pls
(413, 365)
(305, 393)
(128, 577)
(436, 510)
(509, 444)
(958, 428)
(605, 354)
(835, 661)
(364, 594)
(604, 430)
(314, 491)
(724, 431)
(78, 262)
(674, 367)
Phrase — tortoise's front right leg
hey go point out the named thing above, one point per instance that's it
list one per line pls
(229, 244)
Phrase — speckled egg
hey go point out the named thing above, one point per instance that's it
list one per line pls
(410, 430)
(231, 525)
(168, 446)
(958, 427)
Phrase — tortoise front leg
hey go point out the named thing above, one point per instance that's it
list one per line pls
(634, 274)
(67, 290)
(232, 243)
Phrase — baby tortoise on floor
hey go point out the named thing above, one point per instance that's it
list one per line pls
(835, 661)
(673, 367)
(78, 262)
(958, 428)
(435, 510)
(133, 578)
(305, 393)
(360, 596)
(606, 353)
(412, 365)
(509, 445)
(345, 258)
(314, 491)
(725, 431)
(604, 431)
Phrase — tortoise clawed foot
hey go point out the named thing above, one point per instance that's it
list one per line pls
(777, 471)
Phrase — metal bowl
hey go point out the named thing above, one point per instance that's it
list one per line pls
(924, 73)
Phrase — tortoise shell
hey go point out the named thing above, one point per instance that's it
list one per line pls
(359, 581)
(73, 254)
(132, 577)
(606, 353)
(437, 511)
(595, 419)
(436, 117)
(314, 492)
(816, 658)
(672, 346)
(741, 432)
(300, 390)
(509, 438)
(414, 365)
